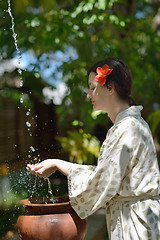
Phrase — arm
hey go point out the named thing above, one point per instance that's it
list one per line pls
(90, 190)
(49, 166)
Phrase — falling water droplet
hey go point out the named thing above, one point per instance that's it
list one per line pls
(12, 27)
(32, 149)
(21, 100)
(21, 83)
(50, 189)
(28, 112)
(19, 71)
(28, 124)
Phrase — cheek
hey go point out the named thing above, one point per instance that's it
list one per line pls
(95, 93)
(98, 92)
(100, 96)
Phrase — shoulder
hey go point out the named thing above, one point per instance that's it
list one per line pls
(129, 128)
(132, 126)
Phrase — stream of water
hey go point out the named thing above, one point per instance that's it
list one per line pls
(28, 124)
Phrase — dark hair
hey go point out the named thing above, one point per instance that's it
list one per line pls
(120, 76)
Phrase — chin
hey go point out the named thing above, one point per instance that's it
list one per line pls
(96, 108)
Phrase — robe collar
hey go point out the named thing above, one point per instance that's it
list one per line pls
(131, 111)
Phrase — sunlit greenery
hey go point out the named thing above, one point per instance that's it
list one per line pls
(154, 119)
(81, 33)
(83, 148)
(94, 29)
(20, 186)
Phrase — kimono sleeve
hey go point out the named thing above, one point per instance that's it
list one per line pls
(91, 188)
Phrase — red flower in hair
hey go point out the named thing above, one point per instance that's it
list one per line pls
(102, 73)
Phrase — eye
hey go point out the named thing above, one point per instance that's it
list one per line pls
(92, 88)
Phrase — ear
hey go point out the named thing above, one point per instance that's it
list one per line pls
(110, 87)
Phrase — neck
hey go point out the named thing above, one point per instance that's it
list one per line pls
(116, 108)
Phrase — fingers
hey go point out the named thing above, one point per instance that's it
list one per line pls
(39, 170)
(43, 169)
(34, 168)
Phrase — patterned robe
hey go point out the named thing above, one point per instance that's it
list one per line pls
(126, 181)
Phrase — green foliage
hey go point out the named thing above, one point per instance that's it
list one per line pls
(154, 120)
(83, 147)
(8, 218)
(10, 208)
(95, 30)
(11, 93)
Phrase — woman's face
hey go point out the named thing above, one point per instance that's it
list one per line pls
(98, 94)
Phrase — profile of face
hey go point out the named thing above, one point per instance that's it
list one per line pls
(100, 95)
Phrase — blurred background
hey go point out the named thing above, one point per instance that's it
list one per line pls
(46, 48)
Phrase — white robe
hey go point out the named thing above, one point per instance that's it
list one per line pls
(125, 180)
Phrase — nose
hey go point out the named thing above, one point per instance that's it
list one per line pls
(89, 94)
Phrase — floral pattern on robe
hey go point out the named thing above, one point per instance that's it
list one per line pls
(125, 180)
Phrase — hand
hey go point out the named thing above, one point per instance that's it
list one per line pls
(43, 169)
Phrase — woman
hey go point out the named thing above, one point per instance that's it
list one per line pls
(126, 178)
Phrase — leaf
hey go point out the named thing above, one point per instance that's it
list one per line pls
(83, 147)
(154, 120)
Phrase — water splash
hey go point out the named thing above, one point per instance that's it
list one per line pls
(14, 35)
(50, 190)
(28, 124)
(13, 29)
(24, 176)
(34, 187)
